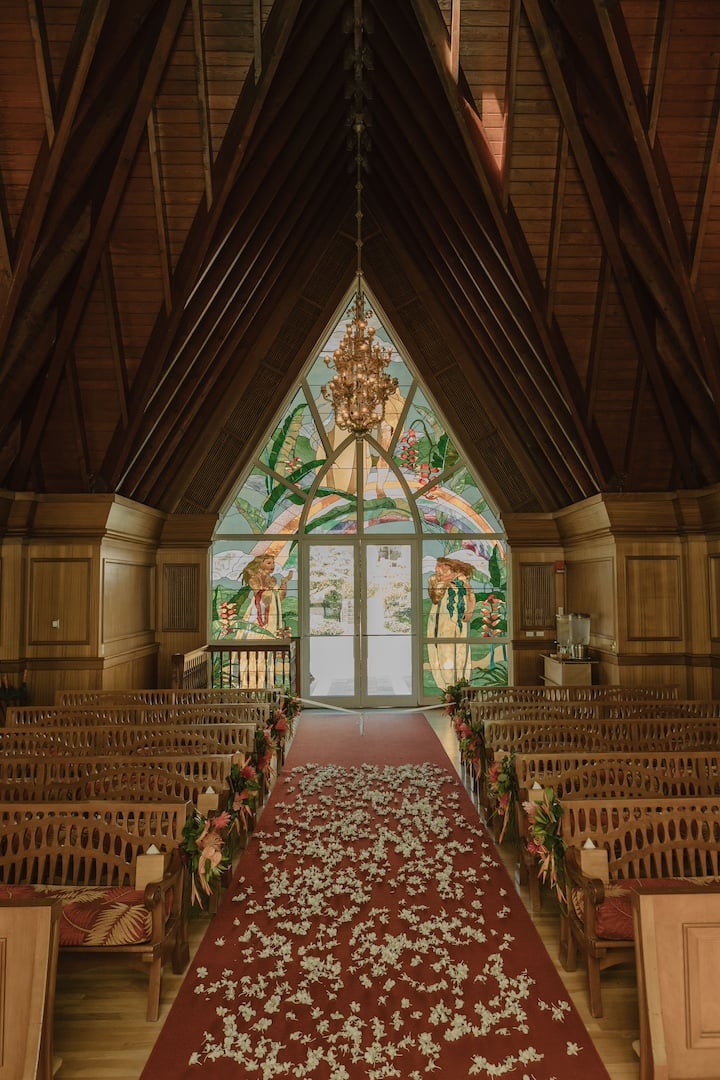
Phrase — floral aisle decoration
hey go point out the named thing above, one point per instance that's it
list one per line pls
(471, 741)
(282, 721)
(544, 840)
(502, 788)
(264, 747)
(245, 792)
(207, 848)
(453, 695)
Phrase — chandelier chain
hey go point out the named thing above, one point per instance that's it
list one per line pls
(360, 388)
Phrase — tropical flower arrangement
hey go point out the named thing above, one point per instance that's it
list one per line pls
(245, 789)
(206, 844)
(544, 839)
(263, 749)
(471, 740)
(502, 787)
(452, 696)
(282, 721)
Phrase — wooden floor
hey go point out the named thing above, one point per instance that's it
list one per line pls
(101, 1032)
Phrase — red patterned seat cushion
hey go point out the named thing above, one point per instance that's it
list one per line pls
(92, 915)
(614, 917)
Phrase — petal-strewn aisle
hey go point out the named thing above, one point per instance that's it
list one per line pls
(371, 932)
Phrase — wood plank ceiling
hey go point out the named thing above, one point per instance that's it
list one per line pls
(541, 230)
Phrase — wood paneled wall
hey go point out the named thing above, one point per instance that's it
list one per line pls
(97, 591)
(646, 569)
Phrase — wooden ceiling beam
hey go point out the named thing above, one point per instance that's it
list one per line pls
(437, 287)
(586, 164)
(78, 422)
(262, 252)
(624, 67)
(115, 332)
(706, 197)
(512, 237)
(463, 280)
(448, 169)
(659, 65)
(42, 65)
(556, 219)
(234, 363)
(49, 163)
(230, 157)
(597, 336)
(104, 216)
(203, 104)
(161, 224)
(260, 191)
(511, 74)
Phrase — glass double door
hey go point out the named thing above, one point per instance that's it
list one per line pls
(361, 646)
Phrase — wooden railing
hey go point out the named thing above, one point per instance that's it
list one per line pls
(247, 665)
(191, 670)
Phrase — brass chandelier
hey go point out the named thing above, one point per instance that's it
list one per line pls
(360, 388)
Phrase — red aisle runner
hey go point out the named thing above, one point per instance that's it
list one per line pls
(371, 933)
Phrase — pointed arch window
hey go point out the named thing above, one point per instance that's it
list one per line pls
(408, 481)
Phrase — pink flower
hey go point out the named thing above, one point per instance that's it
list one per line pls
(221, 821)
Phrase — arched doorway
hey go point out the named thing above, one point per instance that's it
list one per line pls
(380, 554)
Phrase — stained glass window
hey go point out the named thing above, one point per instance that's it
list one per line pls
(312, 483)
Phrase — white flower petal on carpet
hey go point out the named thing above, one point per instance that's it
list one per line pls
(389, 939)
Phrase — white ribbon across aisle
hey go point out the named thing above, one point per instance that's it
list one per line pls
(360, 713)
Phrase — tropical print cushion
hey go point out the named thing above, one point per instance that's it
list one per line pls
(92, 915)
(614, 917)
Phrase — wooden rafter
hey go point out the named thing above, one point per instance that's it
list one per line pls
(658, 183)
(556, 219)
(102, 224)
(48, 168)
(160, 211)
(237, 303)
(511, 73)
(39, 36)
(228, 162)
(514, 245)
(203, 105)
(659, 65)
(707, 186)
(605, 219)
(115, 333)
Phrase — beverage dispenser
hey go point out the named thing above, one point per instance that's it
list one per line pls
(573, 636)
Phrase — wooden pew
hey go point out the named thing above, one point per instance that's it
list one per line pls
(528, 736)
(257, 713)
(180, 696)
(530, 694)
(657, 839)
(677, 942)
(29, 938)
(607, 775)
(141, 739)
(67, 850)
(648, 771)
(613, 709)
(46, 779)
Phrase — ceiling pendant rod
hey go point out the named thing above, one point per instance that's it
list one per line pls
(360, 387)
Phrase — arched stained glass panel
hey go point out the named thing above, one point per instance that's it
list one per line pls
(406, 487)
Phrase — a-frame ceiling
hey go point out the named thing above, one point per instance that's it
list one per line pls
(541, 229)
